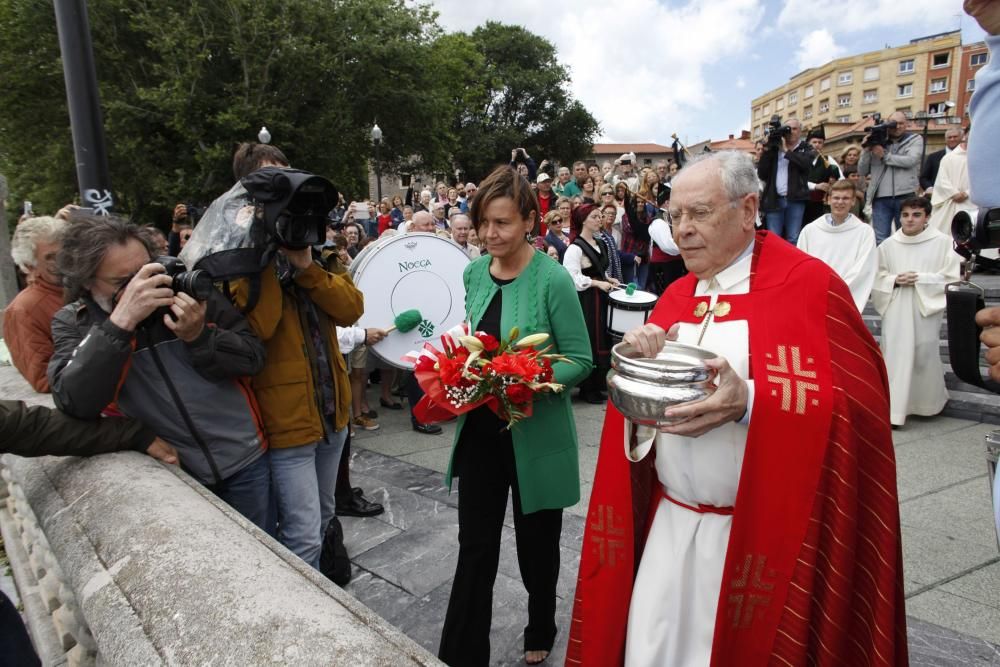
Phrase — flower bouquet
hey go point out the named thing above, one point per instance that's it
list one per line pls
(475, 369)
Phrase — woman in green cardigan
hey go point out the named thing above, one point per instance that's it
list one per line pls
(514, 286)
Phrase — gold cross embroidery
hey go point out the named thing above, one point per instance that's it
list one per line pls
(750, 595)
(607, 535)
(796, 384)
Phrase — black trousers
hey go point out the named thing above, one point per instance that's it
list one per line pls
(485, 466)
(343, 491)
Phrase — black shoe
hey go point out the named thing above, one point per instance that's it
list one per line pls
(360, 506)
(395, 405)
(595, 398)
(428, 429)
(371, 414)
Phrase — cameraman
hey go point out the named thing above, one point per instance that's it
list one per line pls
(179, 373)
(894, 171)
(784, 167)
(985, 184)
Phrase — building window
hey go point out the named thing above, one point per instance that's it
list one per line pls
(756, 113)
(843, 119)
(767, 109)
(793, 98)
(939, 85)
(824, 106)
(843, 101)
(756, 133)
(970, 85)
(871, 96)
(779, 104)
(904, 90)
(845, 78)
(871, 73)
(906, 66)
(807, 113)
(824, 84)
(977, 59)
(937, 109)
(809, 92)
(941, 59)
(792, 114)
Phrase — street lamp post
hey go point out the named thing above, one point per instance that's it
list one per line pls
(377, 140)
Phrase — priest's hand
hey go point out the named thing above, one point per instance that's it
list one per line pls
(989, 320)
(650, 338)
(727, 403)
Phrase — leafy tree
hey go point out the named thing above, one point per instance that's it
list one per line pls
(514, 95)
(182, 83)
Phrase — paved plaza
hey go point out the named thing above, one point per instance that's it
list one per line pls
(405, 558)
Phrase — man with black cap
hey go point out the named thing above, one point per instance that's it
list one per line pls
(823, 172)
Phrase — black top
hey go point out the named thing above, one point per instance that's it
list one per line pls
(490, 322)
(482, 420)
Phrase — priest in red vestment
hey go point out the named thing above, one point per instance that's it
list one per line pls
(762, 527)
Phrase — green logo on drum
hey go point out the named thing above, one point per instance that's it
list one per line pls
(426, 328)
(418, 264)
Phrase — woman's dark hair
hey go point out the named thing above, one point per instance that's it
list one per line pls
(250, 156)
(86, 242)
(505, 182)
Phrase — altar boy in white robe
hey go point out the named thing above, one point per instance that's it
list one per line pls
(844, 242)
(915, 264)
(951, 188)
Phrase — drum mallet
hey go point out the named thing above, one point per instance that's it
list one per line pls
(406, 321)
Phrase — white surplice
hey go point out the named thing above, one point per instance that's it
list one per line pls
(848, 248)
(911, 319)
(952, 178)
(671, 617)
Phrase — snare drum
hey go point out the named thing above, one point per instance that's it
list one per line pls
(419, 271)
(992, 457)
(628, 312)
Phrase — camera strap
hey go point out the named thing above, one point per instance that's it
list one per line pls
(964, 300)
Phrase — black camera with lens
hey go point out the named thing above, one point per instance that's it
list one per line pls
(878, 134)
(972, 236)
(291, 207)
(775, 132)
(196, 284)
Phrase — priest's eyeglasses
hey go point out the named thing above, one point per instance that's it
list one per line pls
(697, 216)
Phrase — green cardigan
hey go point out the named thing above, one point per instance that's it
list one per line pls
(541, 299)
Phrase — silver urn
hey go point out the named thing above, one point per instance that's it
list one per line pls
(642, 388)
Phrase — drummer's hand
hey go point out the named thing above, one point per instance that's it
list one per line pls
(374, 335)
(727, 403)
(650, 338)
(638, 260)
(614, 282)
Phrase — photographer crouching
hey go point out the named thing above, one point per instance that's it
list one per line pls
(891, 156)
(784, 168)
(161, 345)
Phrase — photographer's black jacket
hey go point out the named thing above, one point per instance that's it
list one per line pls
(800, 161)
(155, 377)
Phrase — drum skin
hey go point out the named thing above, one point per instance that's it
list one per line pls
(419, 271)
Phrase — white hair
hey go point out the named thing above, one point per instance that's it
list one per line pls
(29, 234)
(736, 169)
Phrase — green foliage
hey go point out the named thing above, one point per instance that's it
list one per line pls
(182, 83)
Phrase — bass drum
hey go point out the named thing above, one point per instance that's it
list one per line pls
(418, 271)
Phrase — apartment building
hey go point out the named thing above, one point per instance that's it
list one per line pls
(929, 76)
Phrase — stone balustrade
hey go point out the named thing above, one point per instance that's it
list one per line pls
(121, 560)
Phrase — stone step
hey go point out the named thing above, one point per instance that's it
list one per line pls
(981, 407)
(954, 383)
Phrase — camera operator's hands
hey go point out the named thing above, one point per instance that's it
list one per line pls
(908, 278)
(986, 13)
(300, 259)
(163, 451)
(374, 335)
(148, 290)
(878, 151)
(989, 320)
(513, 155)
(190, 317)
(180, 214)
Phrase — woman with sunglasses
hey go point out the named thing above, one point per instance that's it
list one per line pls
(555, 237)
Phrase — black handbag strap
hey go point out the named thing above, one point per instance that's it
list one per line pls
(964, 300)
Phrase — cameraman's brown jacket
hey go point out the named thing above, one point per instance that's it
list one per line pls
(290, 402)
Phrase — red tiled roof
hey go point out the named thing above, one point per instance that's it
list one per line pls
(638, 149)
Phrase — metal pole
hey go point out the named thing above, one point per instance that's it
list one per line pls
(8, 272)
(84, 104)
(378, 170)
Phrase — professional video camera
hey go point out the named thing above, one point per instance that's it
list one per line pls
(878, 134)
(775, 132)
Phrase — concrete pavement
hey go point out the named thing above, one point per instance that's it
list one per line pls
(404, 559)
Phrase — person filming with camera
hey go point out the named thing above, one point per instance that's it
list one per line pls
(784, 167)
(160, 344)
(891, 156)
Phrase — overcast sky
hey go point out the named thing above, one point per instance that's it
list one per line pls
(649, 68)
